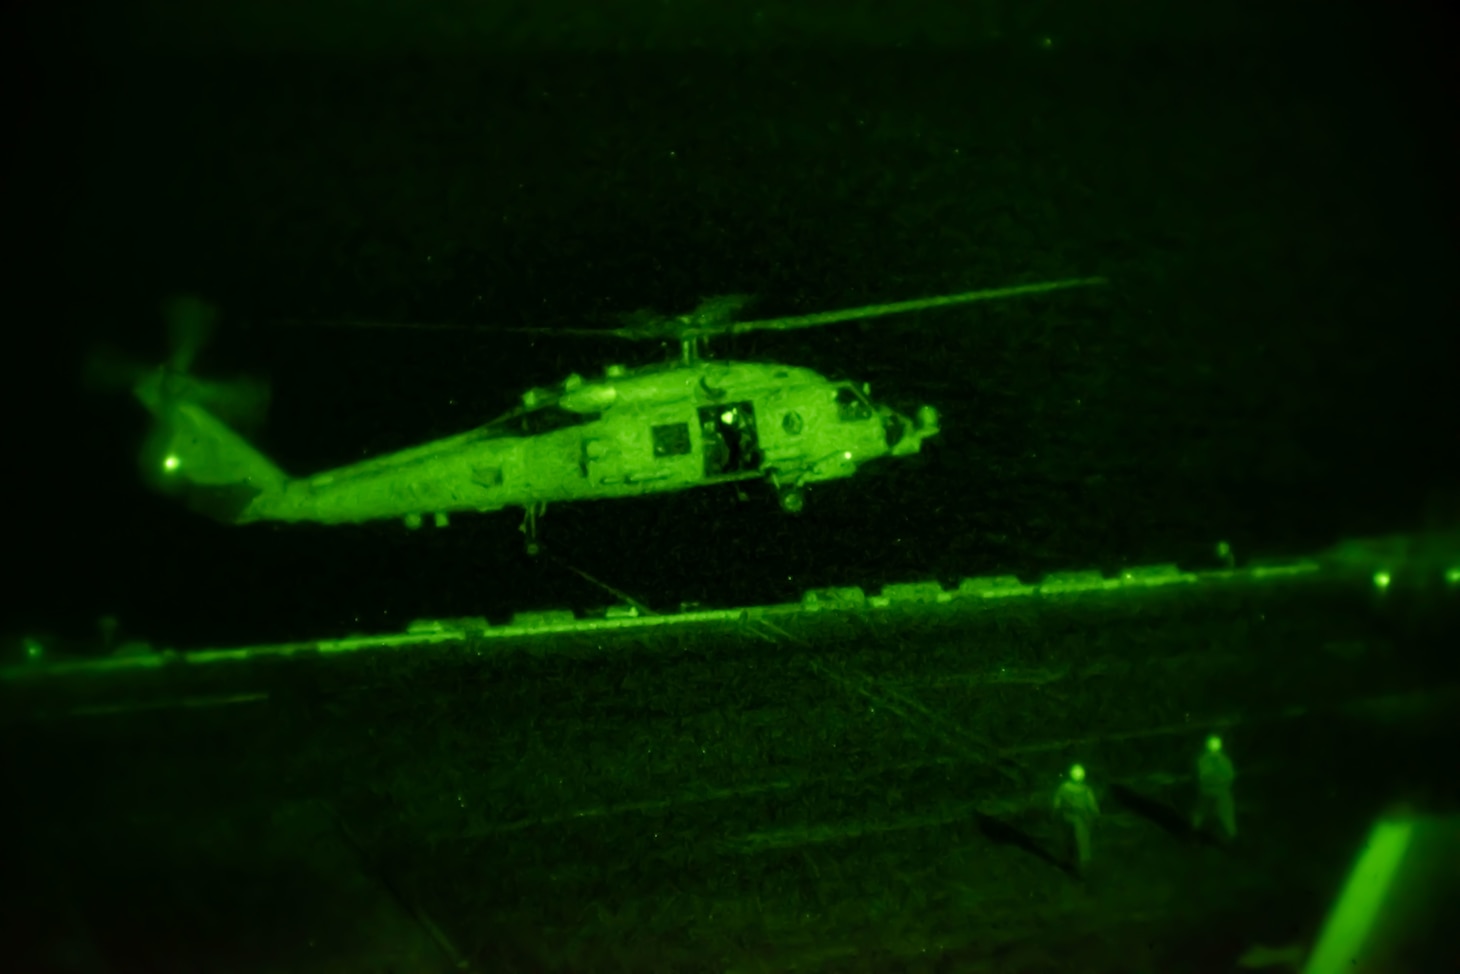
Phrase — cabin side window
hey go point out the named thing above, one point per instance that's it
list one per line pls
(671, 440)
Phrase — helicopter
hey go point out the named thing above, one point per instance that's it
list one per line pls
(690, 421)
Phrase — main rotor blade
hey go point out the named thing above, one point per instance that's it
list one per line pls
(702, 322)
(879, 310)
(450, 326)
(367, 323)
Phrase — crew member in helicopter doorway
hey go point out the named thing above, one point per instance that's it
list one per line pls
(1075, 804)
(1214, 777)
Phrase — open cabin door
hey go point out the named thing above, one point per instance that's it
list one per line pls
(730, 440)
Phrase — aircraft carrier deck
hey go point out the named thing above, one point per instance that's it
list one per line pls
(853, 781)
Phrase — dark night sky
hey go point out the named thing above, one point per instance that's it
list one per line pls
(1266, 366)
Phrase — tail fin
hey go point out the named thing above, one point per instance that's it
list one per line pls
(216, 470)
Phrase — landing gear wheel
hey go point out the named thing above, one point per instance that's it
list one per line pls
(793, 499)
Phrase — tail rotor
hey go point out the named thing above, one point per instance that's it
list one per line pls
(241, 402)
(195, 439)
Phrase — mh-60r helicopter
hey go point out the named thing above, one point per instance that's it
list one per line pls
(690, 422)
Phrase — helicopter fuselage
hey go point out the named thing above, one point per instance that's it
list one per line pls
(664, 428)
(629, 433)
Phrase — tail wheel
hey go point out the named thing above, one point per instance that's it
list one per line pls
(792, 499)
(530, 515)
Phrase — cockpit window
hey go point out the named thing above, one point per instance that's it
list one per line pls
(850, 407)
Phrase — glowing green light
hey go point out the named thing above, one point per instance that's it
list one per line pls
(1370, 884)
(1046, 42)
(1381, 579)
(170, 463)
(33, 649)
(1452, 575)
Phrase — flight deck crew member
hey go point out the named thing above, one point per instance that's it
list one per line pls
(1075, 804)
(1214, 777)
(717, 450)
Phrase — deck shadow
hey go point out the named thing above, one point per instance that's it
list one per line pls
(1161, 815)
(1002, 833)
